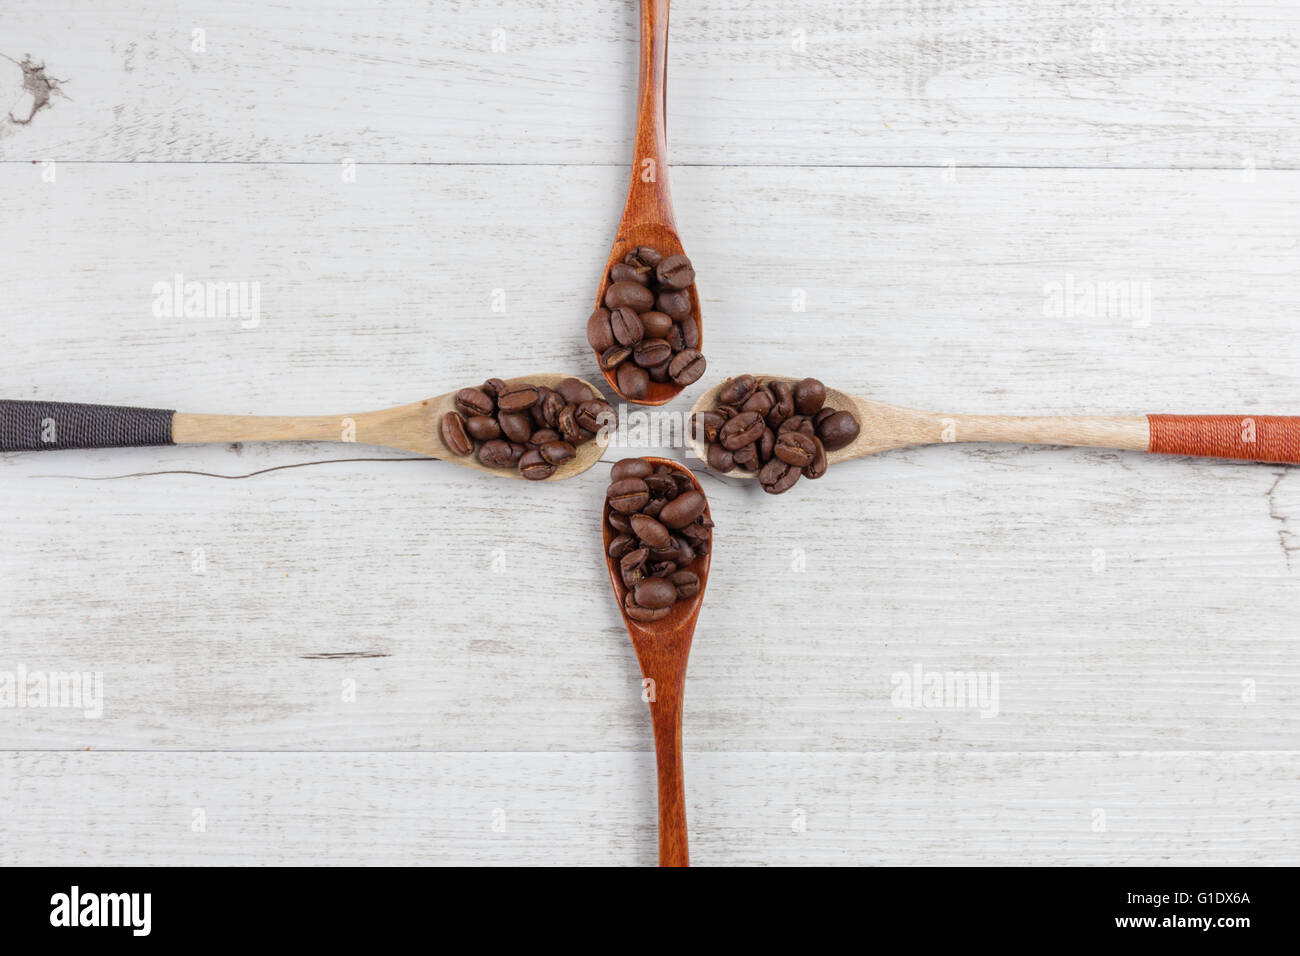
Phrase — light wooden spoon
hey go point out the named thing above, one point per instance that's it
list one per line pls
(662, 648)
(1268, 438)
(42, 426)
(648, 218)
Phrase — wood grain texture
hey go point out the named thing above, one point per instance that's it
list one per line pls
(890, 809)
(349, 634)
(892, 82)
(1125, 602)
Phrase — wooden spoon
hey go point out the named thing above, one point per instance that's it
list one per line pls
(662, 648)
(648, 218)
(883, 427)
(40, 426)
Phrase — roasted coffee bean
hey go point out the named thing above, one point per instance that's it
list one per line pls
(547, 410)
(674, 303)
(720, 459)
(661, 569)
(817, 467)
(651, 352)
(838, 430)
(685, 551)
(651, 531)
(632, 566)
(482, 427)
(687, 367)
(567, 424)
(661, 486)
(746, 457)
(518, 398)
(761, 402)
(534, 467)
(675, 272)
(655, 593)
(671, 553)
(620, 523)
(628, 495)
(613, 356)
(620, 545)
(644, 256)
(686, 583)
(627, 327)
(796, 449)
(767, 445)
(644, 615)
(493, 387)
(705, 425)
(726, 411)
(683, 509)
(657, 325)
(631, 468)
(454, 435)
(690, 332)
(542, 436)
(675, 339)
(821, 416)
(659, 373)
(633, 381)
(596, 414)
(791, 424)
(809, 396)
(631, 295)
(497, 454)
(517, 426)
(745, 428)
(777, 477)
(474, 401)
(575, 391)
(784, 403)
(557, 452)
(654, 506)
(735, 391)
(600, 336)
(622, 272)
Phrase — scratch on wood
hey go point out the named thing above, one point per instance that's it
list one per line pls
(41, 86)
(344, 656)
(1284, 532)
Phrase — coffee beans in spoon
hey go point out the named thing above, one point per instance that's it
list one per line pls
(780, 431)
(659, 526)
(530, 427)
(643, 330)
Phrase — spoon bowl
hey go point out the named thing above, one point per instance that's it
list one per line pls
(648, 218)
(662, 648)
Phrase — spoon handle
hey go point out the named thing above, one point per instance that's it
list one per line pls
(45, 426)
(1265, 438)
(666, 716)
(648, 197)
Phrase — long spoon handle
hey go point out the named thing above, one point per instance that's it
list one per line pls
(188, 429)
(1270, 438)
(46, 426)
(666, 715)
(649, 198)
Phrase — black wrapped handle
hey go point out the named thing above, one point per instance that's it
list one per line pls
(43, 426)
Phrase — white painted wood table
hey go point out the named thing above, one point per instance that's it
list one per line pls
(1068, 208)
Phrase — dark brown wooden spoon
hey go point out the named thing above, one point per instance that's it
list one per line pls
(662, 648)
(648, 218)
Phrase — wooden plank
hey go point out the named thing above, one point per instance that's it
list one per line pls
(892, 82)
(899, 809)
(1122, 602)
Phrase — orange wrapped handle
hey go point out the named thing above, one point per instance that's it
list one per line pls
(1250, 437)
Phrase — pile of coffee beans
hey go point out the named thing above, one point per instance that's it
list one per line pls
(660, 525)
(530, 427)
(643, 330)
(778, 430)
